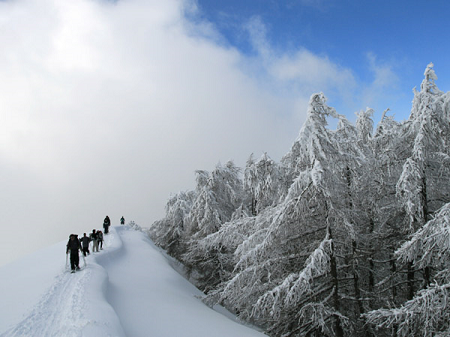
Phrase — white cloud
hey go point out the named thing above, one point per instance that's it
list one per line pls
(384, 76)
(384, 84)
(297, 72)
(108, 107)
(313, 73)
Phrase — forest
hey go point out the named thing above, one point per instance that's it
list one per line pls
(348, 235)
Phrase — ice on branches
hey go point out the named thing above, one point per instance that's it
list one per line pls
(296, 286)
(426, 315)
(430, 245)
(258, 241)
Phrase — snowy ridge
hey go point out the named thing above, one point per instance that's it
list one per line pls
(66, 308)
(127, 289)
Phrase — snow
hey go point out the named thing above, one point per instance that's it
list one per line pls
(127, 289)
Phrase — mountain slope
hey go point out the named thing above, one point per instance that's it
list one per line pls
(128, 289)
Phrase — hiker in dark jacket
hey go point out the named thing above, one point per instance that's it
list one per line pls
(106, 224)
(94, 238)
(85, 244)
(122, 221)
(100, 239)
(73, 246)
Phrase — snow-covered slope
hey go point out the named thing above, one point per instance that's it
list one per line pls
(127, 289)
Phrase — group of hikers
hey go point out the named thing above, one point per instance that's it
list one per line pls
(96, 237)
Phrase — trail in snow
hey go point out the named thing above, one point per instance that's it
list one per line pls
(61, 305)
(75, 305)
(128, 289)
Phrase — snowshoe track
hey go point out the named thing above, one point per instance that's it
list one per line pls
(65, 301)
(64, 309)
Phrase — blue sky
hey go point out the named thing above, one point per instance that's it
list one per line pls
(363, 36)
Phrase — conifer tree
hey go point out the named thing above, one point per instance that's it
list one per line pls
(318, 244)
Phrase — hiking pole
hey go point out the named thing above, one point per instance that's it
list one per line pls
(67, 259)
(84, 260)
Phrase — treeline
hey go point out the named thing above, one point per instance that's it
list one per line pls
(348, 235)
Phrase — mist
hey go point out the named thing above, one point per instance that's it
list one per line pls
(108, 108)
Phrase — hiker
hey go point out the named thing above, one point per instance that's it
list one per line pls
(122, 221)
(100, 239)
(106, 224)
(85, 244)
(94, 238)
(73, 246)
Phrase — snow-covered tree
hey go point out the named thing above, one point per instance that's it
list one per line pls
(261, 179)
(290, 232)
(304, 301)
(169, 231)
(219, 194)
(318, 251)
(428, 312)
(364, 125)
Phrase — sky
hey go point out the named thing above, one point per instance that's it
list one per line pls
(109, 107)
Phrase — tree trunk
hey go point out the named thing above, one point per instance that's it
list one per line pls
(356, 279)
(371, 263)
(334, 277)
(394, 293)
(410, 281)
(393, 271)
(427, 277)
(253, 205)
(427, 270)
